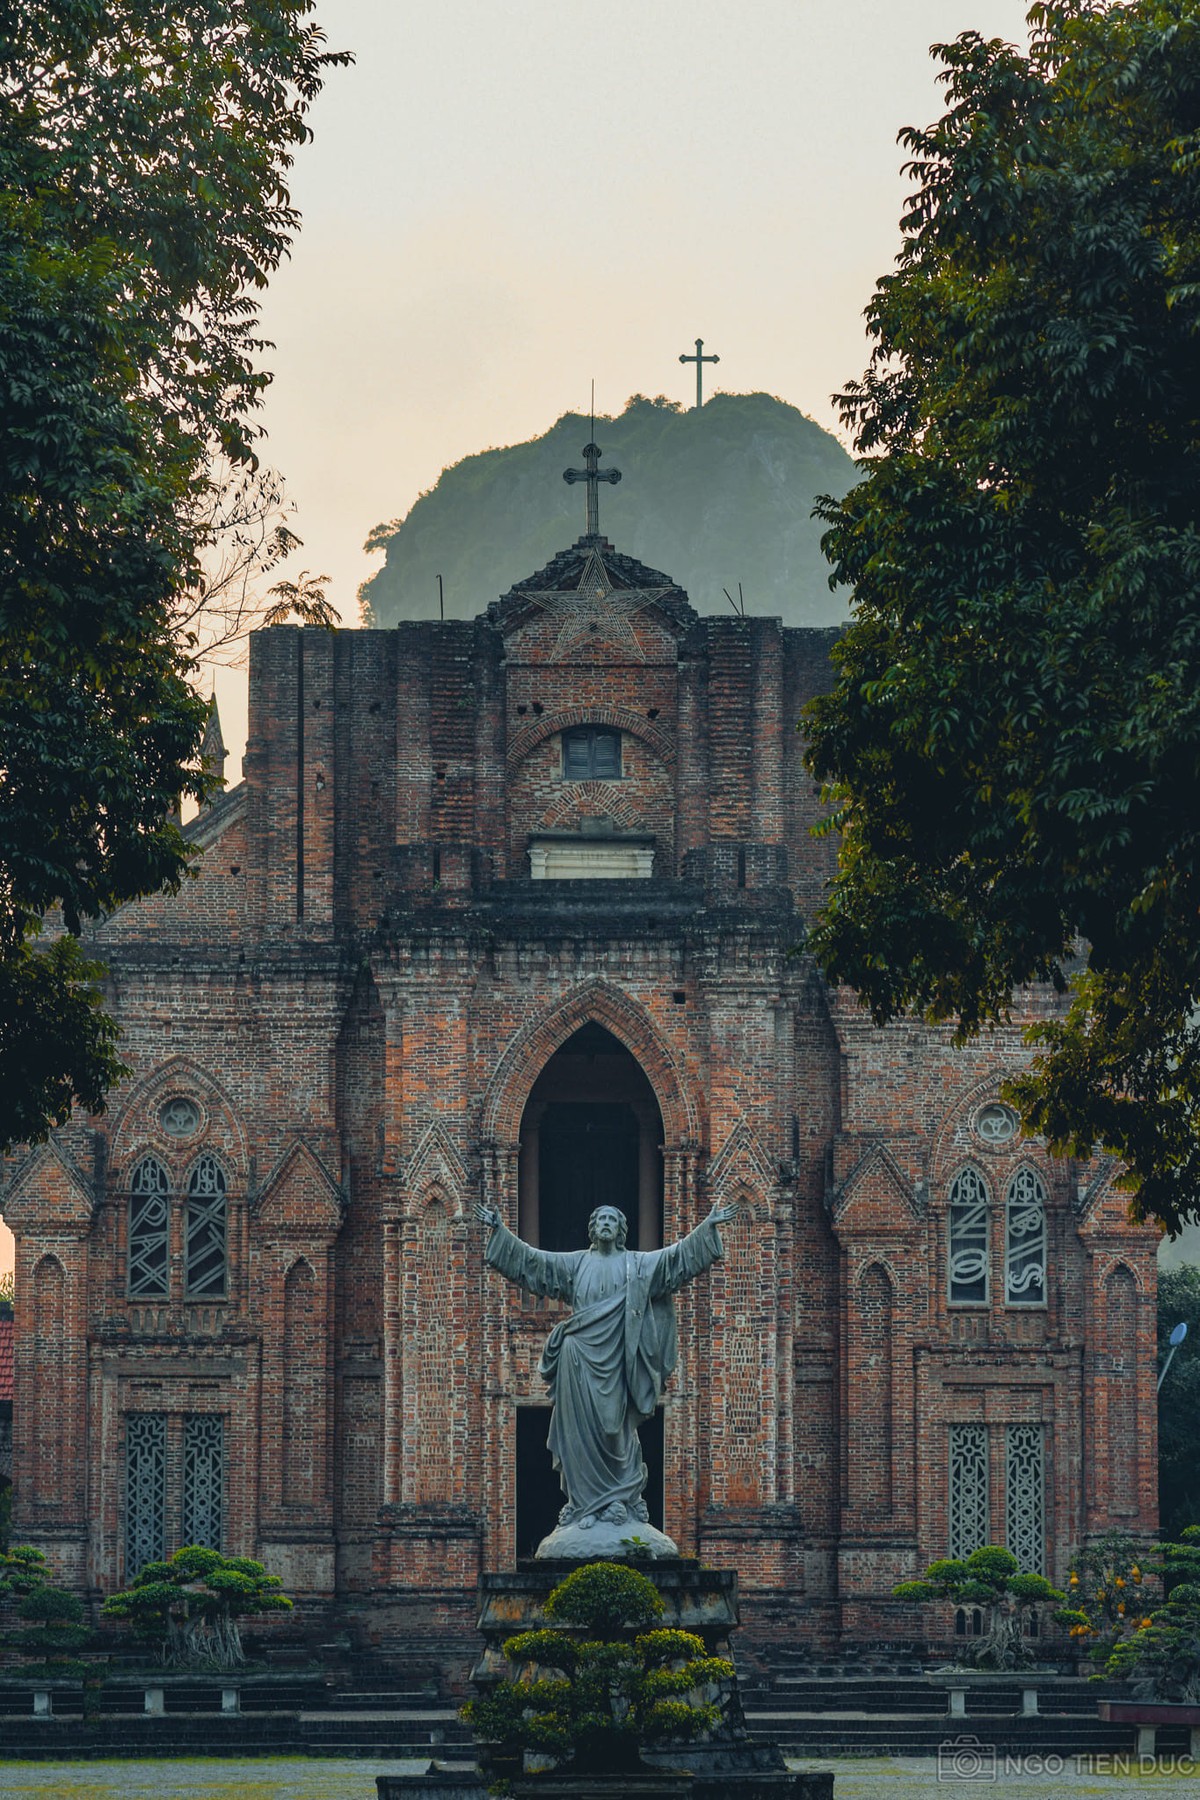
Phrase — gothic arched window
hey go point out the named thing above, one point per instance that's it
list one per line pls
(205, 1232)
(1025, 1241)
(148, 1217)
(968, 1239)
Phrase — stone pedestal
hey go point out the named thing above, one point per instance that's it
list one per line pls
(728, 1765)
(703, 1601)
(631, 1785)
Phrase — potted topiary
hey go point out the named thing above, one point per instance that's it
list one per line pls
(188, 1607)
(990, 1579)
(596, 1688)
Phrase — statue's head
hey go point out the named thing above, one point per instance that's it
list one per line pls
(608, 1223)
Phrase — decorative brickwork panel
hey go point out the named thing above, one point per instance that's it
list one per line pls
(969, 1495)
(361, 1486)
(1025, 1497)
(870, 1447)
(204, 1480)
(740, 1360)
(640, 797)
(969, 1239)
(1025, 1240)
(145, 1490)
(303, 1384)
(149, 1215)
(432, 1365)
(1120, 1320)
(49, 1391)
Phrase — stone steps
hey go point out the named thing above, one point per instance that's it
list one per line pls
(842, 1734)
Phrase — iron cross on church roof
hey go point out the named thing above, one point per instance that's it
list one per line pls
(592, 475)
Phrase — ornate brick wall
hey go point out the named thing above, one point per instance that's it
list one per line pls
(347, 1012)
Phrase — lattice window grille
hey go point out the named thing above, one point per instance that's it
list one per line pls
(969, 1513)
(145, 1490)
(203, 1479)
(206, 1231)
(1025, 1497)
(149, 1206)
(1025, 1241)
(968, 1246)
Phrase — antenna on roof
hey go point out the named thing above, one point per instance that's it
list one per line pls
(592, 432)
(739, 610)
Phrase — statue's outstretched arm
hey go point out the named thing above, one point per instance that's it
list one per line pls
(539, 1271)
(682, 1261)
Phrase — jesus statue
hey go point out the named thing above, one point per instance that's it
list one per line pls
(606, 1367)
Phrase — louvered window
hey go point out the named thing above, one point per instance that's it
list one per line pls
(591, 753)
(149, 1206)
(205, 1231)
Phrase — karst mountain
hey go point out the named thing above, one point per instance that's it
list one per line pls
(716, 497)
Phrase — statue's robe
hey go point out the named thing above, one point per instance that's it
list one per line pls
(607, 1364)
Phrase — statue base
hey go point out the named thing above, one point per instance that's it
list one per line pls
(728, 1765)
(601, 1541)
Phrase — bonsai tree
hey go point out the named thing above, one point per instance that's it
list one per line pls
(188, 1608)
(51, 1618)
(1108, 1593)
(1161, 1656)
(616, 1683)
(989, 1578)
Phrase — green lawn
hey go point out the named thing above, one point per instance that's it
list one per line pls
(286, 1778)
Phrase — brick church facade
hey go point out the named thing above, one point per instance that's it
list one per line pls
(508, 910)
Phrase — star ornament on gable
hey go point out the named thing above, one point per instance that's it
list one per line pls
(596, 613)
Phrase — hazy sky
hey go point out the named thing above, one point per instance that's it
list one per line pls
(505, 199)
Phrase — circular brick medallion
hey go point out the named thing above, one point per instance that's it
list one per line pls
(180, 1117)
(996, 1123)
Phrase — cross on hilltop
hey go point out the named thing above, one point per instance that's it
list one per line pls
(699, 359)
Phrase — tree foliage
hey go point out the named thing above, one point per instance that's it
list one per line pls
(143, 203)
(50, 1619)
(1110, 1591)
(1012, 747)
(610, 1693)
(242, 521)
(188, 1607)
(1160, 1658)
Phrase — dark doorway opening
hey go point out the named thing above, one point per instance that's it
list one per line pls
(591, 1135)
(587, 1157)
(539, 1496)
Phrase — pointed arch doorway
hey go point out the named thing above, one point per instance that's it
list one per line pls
(591, 1135)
